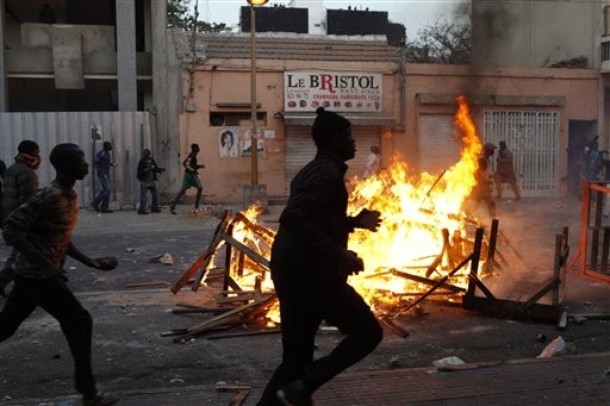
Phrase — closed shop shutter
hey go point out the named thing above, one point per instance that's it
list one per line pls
(365, 138)
(300, 149)
(438, 148)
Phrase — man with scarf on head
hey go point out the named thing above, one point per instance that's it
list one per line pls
(310, 264)
(20, 182)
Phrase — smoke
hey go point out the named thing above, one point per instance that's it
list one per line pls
(491, 29)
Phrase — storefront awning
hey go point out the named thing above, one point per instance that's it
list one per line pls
(357, 119)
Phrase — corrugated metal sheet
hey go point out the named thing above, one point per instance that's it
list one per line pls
(532, 137)
(300, 149)
(129, 133)
(438, 148)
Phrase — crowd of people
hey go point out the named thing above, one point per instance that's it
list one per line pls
(309, 254)
(310, 260)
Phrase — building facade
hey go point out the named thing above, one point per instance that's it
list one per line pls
(537, 111)
(88, 72)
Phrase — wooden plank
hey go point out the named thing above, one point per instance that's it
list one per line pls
(493, 238)
(230, 313)
(474, 265)
(220, 229)
(389, 323)
(537, 296)
(146, 284)
(243, 333)
(442, 281)
(248, 251)
(200, 261)
(482, 286)
(227, 273)
(421, 279)
(557, 268)
(511, 309)
(192, 270)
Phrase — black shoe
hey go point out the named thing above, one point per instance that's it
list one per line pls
(172, 210)
(155, 210)
(101, 399)
(95, 207)
(143, 212)
(294, 394)
(106, 211)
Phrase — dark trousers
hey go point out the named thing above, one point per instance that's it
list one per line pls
(301, 315)
(182, 192)
(54, 296)
(6, 274)
(144, 188)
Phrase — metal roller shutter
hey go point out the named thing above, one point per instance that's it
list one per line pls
(300, 149)
(438, 148)
(533, 138)
(365, 138)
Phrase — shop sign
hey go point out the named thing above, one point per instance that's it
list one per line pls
(305, 91)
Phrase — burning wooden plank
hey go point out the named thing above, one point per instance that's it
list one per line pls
(228, 318)
(204, 259)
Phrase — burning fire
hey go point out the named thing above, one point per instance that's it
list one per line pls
(415, 208)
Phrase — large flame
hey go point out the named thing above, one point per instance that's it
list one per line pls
(415, 209)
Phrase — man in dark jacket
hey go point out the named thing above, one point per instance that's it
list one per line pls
(147, 175)
(20, 182)
(310, 264)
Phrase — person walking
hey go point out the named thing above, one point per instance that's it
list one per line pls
(41, 231)
(483, 190)
(191, 178)
(505, 172)
(103, 162)
(20, 182)
(147, 175)
(310, 264)
(373, 162)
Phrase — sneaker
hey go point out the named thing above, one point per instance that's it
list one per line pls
(101, 399)
(294, 394)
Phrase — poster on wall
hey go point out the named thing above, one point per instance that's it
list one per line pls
(246, 145)
(228, 142)
(305, 91)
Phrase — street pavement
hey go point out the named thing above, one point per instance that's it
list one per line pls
(563, 380)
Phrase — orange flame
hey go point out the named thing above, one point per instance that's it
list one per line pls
(414, 210)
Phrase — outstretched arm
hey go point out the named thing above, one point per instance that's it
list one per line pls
(103, 263)
(367, 219)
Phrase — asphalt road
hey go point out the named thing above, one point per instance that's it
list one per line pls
(130, 354)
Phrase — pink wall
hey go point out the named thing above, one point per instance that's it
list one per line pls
(224, 178)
